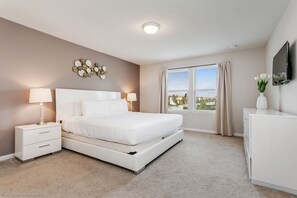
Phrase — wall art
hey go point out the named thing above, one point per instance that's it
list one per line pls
(85, 68)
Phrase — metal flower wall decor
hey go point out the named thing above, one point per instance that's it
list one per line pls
(84, 68)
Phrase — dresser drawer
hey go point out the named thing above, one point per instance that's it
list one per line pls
(42, 148)
(41, 134)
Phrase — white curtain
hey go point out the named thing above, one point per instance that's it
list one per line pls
(163, 99)
(223, 104)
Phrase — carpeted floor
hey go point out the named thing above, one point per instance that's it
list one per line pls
(203, 165)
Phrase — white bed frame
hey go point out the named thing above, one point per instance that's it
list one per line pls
(68, 105)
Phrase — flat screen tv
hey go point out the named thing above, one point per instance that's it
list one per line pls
(282, 71)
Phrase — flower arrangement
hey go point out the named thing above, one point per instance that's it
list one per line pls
(262, 81)
(279, 78)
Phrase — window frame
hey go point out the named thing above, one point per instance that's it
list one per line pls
(195, 89)
(191, 92)
(188, 90)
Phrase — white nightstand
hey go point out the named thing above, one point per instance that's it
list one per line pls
(35, 140)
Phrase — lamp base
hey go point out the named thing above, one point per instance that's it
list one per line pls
(42, 123)
(41, 115)
(131, 106)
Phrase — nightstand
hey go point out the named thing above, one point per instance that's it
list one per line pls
(36, 140)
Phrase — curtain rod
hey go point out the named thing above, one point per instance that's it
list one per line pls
(191, 66)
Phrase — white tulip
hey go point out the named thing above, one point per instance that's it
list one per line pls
(263, 76)
(257, 78)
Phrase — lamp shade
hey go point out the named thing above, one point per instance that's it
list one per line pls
(40, 95)
(131, 97)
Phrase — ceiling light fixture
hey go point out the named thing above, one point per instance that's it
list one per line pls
(151, 27)
(234, 46)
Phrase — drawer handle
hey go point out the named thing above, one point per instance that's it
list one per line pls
(44, 145)
(44, 132)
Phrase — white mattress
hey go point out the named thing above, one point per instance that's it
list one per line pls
(112, 145)
(129, 128)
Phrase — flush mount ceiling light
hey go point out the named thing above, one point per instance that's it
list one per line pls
(234, 46)
(151, 27)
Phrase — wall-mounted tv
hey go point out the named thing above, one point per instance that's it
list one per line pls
(282, 71)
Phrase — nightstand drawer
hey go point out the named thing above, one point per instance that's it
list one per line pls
(42, 148)
(41, 134)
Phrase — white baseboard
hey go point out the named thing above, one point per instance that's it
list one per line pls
(209, 131)
(288, 190)
(199, 130)
(6, 157)
(238, 134)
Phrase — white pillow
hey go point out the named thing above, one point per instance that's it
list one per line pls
(95, 107)
(118, 106)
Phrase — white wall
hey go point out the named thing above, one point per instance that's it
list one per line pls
(245, 66)
(284, 97)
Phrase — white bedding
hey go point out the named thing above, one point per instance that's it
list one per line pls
(112, 145)
(129, 128)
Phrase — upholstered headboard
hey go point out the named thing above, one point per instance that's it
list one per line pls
(68, 101)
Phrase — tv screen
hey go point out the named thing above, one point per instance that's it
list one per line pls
(281, 73)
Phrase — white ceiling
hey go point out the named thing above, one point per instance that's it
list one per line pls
(188, 27)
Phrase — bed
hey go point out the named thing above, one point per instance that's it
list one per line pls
(98, 124)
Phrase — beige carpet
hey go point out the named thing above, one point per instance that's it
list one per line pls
(203, 165)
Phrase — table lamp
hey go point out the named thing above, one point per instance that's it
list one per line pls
(131, 97)
(40, 95)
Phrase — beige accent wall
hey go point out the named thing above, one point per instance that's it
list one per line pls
(245, 66)
(29, 58)
(283, 97)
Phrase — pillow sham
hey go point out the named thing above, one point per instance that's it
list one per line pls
(118, 106)
(95, 107)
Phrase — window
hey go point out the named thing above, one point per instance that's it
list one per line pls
(192, 89)
(205, 88)
(178, 87)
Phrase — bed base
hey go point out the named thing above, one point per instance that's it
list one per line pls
(135, 163)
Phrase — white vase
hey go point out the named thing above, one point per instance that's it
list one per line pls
(261, 102)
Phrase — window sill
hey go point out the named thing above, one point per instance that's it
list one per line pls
(201, 112)
(204, 112)
(178, 111)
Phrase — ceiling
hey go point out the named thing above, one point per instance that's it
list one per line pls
(189, 28)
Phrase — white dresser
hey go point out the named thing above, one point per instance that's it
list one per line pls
(35, 140)
(270, 143)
